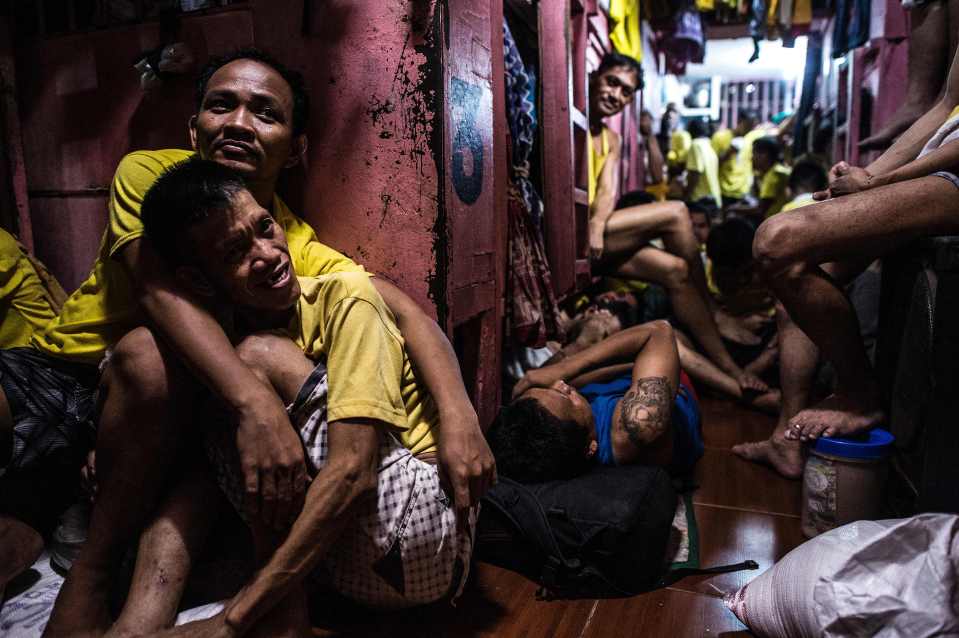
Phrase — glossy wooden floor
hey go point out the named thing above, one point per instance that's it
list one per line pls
(743, 512)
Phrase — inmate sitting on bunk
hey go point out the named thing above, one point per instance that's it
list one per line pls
(806, 256)
(375, 518)
(618, 402)
(251, 116)
(619, 237)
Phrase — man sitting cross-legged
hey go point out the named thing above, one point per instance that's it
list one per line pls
(375, 514)
(806, 255)
(632, 409)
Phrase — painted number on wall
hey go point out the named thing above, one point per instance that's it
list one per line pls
(465, 101)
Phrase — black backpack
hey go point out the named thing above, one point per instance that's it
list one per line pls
(599, 535)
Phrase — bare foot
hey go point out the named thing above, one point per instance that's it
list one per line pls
(748, 381)
(771, 402)
(20, 547)
(836, 415)
(82, 608)
(783, 456)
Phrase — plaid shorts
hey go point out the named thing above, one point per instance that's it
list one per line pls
(404, 547)
(53, 406)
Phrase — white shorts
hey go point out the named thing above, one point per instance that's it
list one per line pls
(403, 548)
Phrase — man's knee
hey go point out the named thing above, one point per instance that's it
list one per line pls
(677, 273)
(774, 245)
(138, 362)
(661, 328)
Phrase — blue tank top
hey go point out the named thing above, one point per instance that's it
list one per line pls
(687, 433)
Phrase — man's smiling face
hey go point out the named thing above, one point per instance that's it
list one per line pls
(243, 254)
(245, 121)
(611, 90)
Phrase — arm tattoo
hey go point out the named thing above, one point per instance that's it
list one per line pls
(646, 409)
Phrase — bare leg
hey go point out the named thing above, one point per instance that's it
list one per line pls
(280, 362)
(689, 305)
(930, 50)
(20, 547)
(147, 398)
(797, 365)
(853, 228)
(168, 549)
(702, 370)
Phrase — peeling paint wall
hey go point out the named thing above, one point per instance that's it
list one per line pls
(372, 186)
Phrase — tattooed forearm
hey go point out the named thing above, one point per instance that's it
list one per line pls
(646, 409)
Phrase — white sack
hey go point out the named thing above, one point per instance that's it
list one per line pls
(894, 578)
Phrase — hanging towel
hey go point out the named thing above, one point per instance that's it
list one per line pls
(625, 34)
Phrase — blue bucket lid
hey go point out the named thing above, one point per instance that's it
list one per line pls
(873, 445)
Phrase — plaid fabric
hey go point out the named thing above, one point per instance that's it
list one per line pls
(52, 403)
(404, 548)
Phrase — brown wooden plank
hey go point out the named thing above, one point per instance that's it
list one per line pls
(728, 481)
(496, 602)
(730, 536)
(725, 424)
(662, 613)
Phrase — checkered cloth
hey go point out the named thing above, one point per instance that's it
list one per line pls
(403, 548)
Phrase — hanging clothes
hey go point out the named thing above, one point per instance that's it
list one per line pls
(685, 39)
(521, 117)
(532, 314)
(852, 26)
(757, 25)
(625, 32)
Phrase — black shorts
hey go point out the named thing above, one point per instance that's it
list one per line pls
(53, 403)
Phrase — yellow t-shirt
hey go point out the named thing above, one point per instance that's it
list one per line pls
(702, 159)
(596, 159)
(341, 318)
(679, 143)
(24, 303)
(799, 201)
(736, 173)
(773, 186)
(104, 308)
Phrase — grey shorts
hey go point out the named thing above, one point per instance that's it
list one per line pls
(948, 176)
(53, 406)
(404, 547)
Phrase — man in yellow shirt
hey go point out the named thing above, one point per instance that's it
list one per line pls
(26, 306)
(702, 166)
(735, 150)
(374, 514)
(251, 117)
(773, 176)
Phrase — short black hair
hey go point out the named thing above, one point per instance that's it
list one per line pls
(730, 244)
(750, 114)
(769, 145)
(531, 445)
(704, 206)
(697, 127)
(301, 99)
(634, 198)
(809, 176)
(185, 195)
(613, 59)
